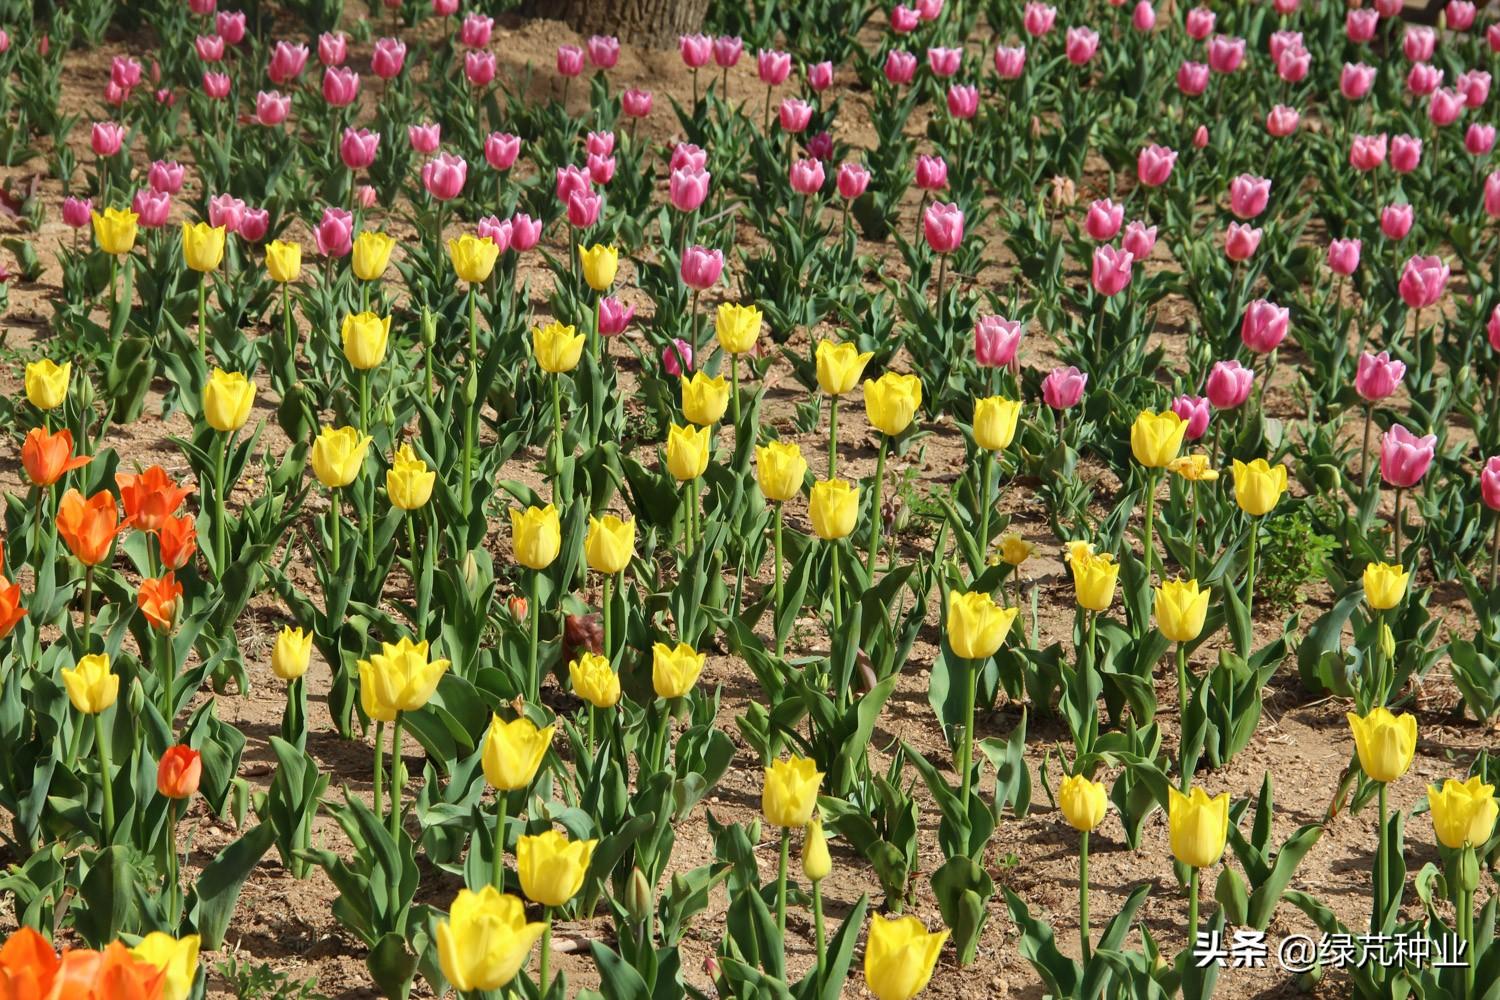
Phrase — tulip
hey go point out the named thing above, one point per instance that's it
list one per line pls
(551, 869)
(773, 67)
(1378, 376)
(1422, 282)
(1225, 53)
(501, 150)
(839, 366)
(334, 233)
(677, 357)
(227, 398)
(931, 173)
(1154, 165)
(292, 653)
(1463, 813)
(1343, 256)
(486, 940)
(557, 348)
(1192, 78)
(610, 544)
(1156, 438)
(1258, 486)
(816, 862)
(636, 103)
(337, 455)
(1282, 120)
(1063, 388)
(1194, 411)
(701, 268)
(943, 226)
(1111, 270)
(1384, 585)
(399, 679)
(409, 482)
(179, 772)
(1083, 802)
(900, 66)
(1010, 63)
(115, 230)
(1445, 106)
(807, 177)
(77, 212)
(833, 507)
(603, 51)
(1475, 87)
(1104, 219)
(47, 383)
(388, 58)
(789, 795)
(176, 541)
(1080, 45)
(1264, 326)
(92, 689)
(1199, 22)
(944, 62)
(595, 681)
(737, 327)
(149, 498)
(175, 960)
(995, 419)
(364, 337)
(851, 180)
(1366, 152)
(536, 536)
(473, 257)
(1248, 195)
(599, 265)
(1355, 79)
(674, 671)
(88, 528)
(687, 451)
(443, 176)
(780, 471)
(47, 457)
(1385, 743)
(899, 953)
(1198, 827)
(271, 108)
(1094, 577)
(1181, 609)
(963, 101)
(687, 188)
(614, 316)
(1241, 242)
(892, 401)
(704, 399)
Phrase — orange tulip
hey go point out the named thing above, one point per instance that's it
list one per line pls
(150, 498)
(179, 772)
(111, 974)
(47, 457)
(158, 600)
(88, 526)
(28, 966)
(177, 540)
(11, 611)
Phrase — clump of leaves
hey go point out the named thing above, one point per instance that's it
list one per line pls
(1295, 555)
(258, 981)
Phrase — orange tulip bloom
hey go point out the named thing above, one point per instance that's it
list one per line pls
(31, 970)
(28, 966)
(150, 498)
(47, 457)
(158, 600)
(177, 539)
(179, 772)
(11, 611)
(88, 526)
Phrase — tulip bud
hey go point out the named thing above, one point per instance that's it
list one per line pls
(638, 897)
(517, 607)
(1387, 642)
(816, 864)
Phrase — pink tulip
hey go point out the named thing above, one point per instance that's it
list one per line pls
(340, 86)
(1293, 65)
(1378, 376)
(1199, 23)
(1388, 8)
(1038, 18)
(794, 115)
(1229, 384)
(1489, 482)
(286, 62)
(773, 67)
(852, 180)
(1366, 152)
(1355, 80)
(388, 58)
(216, 85)
(696, 50)
(1479, 139)
(365, 196)
(1418, 43)
(1459, 15)
(1475, 86)
(677, 358)
(1343, 256)
(479, 67)
(334, 233)
(943, 225)
(525, 232)
(1139, 240)
(727, 50)
(1241, 241)
(932, 173)
(685, 155)
(636, 103)
(929, 10)
(497, 231)
(569, 61)
(166, 176)
(106, 138)
(501, 150)
(1010, 63)
(152, 207)
(1103, 219)
(271, 108)
(1283, 42)
(1492, 328)
(333, 48)
(614, 316)
(1192, 78)
(1194, 412)
(1445, 106)
(601, 169)
(1063, 387)
(1112, 270)
(1423, 281)
(963, 101)
(1264, 326)
(77, 212)
(1154, 165)
(820, 76)
(688, 188)
(1225, 53)
(1404, 457)
(904, 19)
(1282, 120)
(900, 67)
(209, 48)
(1248, 195)
(1492, 195)
(475, 30)
(571, 179)
(230, 26)
(1080, 45)
(444, 8)
(358, 148)
(254, 224)
(114, 95)
(944, 62)
(1423, 78)
(583, 209)
(1395, 221)
(701, 267)
(604, 51)
(1359, 25)
(996, 341)
(165, 96)
(1143, 18)
(443, 176)
(424, 138)
(1200, 137)
(202, 8)
(1406, 153)
(226, 210)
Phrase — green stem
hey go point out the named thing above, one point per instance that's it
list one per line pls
(534, 612)
(1250, 576)
(88, 606)
(966, 741)
(396, 777)
(416, 573)
(875, 520)
(734, 381)
(986, 472)
(168, 671)
(174, 878)
(545, 962)
(819, 933)
(1380, 863)
(833, 437)
(221, 541)
(1182, 699)
(1150, 525)
(1193, 910)
(470, 421)
(1195, 529)
(286, 323)
(1083, 895)
(786, 848)
(1396, 538)
(334, 517)
(776, 541)
(1495, 553)
(604, 613)
(202, 311)
(497, 874)
(104, 778)
(377, 780)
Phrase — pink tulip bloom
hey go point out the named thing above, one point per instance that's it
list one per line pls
(601, 169)
(497, 231)
(929, 10)
(286, 62)
(1492, 328)
(944, 62)
(1479, 139)
(727, 50)
(1475, 86)
(1103, 219)
(1282, 120)
(569, 61)
(963, 101)
(1388, 8)
(340, 86)
(1355, 80)
(358, 147)
(852, 180)
(571, 179)
(165, 96)
(1264, 326)
(1395, 221)
(932, 173)
(701, 267)
(1489, 482)
(525, 232)
(1419, 43)
(1283, 42)
(1423, 78)
(1139, 240)
(1225, 53)
(1459, 15)
(334, 233)
(583, 209)
(77, 212)
(1143, 18)
(216, 85)
(388, 57)
(152, 207)
(900, 67)
(479, 67)
(1445, 106)
(1293, 65)
(1241, 241)
(1194, 412)
(1229, 384)
(794, 115)
(209, 48)
(1423, 281)
(202, 8)
(1343, 256)
(636, 103)
(443, 176)
(1248, 195)
(1154, 165)
(1112, 270)
(943, 225)
(1492, 195)
(904, 19)
(1038, 18)
(114, 95)
(1192, 78)
(1200, 137)
(1378, 376)
(230, 26)
(1080, 45)
(696, 50)
(996, 341)
(677, 358)
(226, 210)
(501, 150)
(1063, 387)
(444, 8)
(1406, 153)
(333, 48)
(773, 67)
(1010, 63)
(166, 176)
(106, 138)
(806, 176)
(685, 155)
(604, 51)
(1359, 25)
(820, 76)
(614, 316)
(1404, 457)
(254, 224)
(474, 32)
(1366, 152)
(820, 146)
(688, 188)
(1199, 22)
(271, 108)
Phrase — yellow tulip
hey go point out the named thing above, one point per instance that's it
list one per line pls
(1083, 802)
(780, 469)
(551, 867)
(1014, 550)
(900, 956)
(178, 959)
(833, 508)
(599, 263)
(816, 862)
(790, 792)
(283, 261)
(977, 626)
(337, 455)
(409, 481)
(737, 327)
(202, 245)
(291, 654)
(609, 545)
(839, 366)
(485, 941)
(1258, 486)
(1198, 826)
(404, 678)
(371, 255)
(891, 402)
(90, 685)
(365, 335)
(1156, 438)
(704, 399)
(1078, 548)
(1180, 609)
(675, 671)
(556, 347)
(1094, 579)
(114, 231)
(227, 398)
(1194, 468)
(1385, 585)
(687, 451)
(995, 419)
(47, 383)
(473, 257)
(536, 536)
(594, 680)
(513, 751)
(1385, 742)
(1463, 812)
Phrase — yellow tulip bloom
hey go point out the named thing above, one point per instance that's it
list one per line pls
(675, 671)
(1156, 438)
(404, 678)
(409, 481)
(1094, 579)
(789, 792)
(600, 264)
(839, 366)
(1083, 802)
(900, 956)
(371, 255)
(473, 257)
(338, 454)
(1258, 486)
(1463, 812)
(1198, 825)
(115, 230)
(892, 401)
(292, 653)
(995, 419)
(1181, 609)
(47, 383)
(177, 959)
(556, 347)
(552, 867)
(977, 626)
(594, 680)
(202, 245)
(704, 399)
(833, 508)
(1194, 468)
(1385, 585)
(227, 398)
(513, 751)
(283, 261)
(609, 545)
(365, 336)
(737, 327)
(780, 470)
(91, 686)
(687, 451)
(1014, 550)
(485, 941)
(536, 536)
(1385, 742)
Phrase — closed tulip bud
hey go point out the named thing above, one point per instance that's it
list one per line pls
(1198, 826)
(599, 264)
(176, 960)
(780, 470)
(202, 245)
(610, 544)
(816, 862)
(292, 653)
(833, 508)
(1463, 812)
(1258, 486)
(365, 336)
(839, 366)
(372, 253)
(1181, 609)
(513, 751)
(790, 792)
(47, 383)
(115, 230)
(995, 419)
(227, 398)
(1385, 743)
(1387, 642)
(556, 347)
(675, 671)
(283, 261)
(687, 451)
(704, 399)
(1385, 585)
(638, 897)
(737, 327)
(485, 941)
(551, 867)
(90, 685)
(473, 257)
(536, 536)
(594, 680)
(900, 956)
(891, 402)
(1156, 438)
(1014, 550)
(402, 676)
(1094, 577)
(179, 772)
(409, 481)
(1083, 802)
(337, 456)
(977, 626)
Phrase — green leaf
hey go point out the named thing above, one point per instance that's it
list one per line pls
(210, 903)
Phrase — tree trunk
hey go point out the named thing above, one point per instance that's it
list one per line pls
(654, 23)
